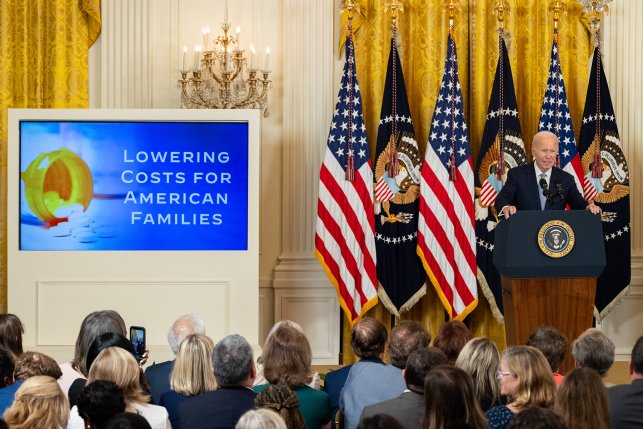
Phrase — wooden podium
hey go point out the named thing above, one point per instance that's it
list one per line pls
(538, 289)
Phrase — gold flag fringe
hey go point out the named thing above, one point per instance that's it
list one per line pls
(386, 301)
(612, 305)
(490, 298)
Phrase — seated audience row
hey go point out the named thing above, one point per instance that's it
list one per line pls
(217, 386)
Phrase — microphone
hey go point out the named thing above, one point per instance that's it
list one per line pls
(546, 193)
(559, 188)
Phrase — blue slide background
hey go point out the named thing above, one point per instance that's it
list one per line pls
(102, 144)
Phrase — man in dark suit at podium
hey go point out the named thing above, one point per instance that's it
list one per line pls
(523, 191)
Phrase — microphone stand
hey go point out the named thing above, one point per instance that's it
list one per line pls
(546, 193)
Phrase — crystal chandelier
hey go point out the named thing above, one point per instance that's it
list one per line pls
(595, 7)
(217, 80)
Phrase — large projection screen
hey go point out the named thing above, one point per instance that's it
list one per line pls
(153, 213)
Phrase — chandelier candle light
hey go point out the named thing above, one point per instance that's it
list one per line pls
(224, 87)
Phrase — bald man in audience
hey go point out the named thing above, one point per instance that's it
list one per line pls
(158, 376)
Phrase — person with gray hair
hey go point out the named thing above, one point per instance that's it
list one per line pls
(158, 375)
(234, 369)
(522, 188)
(593, 349)
(315, 384)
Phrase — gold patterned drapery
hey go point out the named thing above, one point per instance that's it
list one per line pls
(44, 46)
(423, 27)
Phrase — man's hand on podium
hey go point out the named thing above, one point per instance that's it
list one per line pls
(508, 210)
(594, 209)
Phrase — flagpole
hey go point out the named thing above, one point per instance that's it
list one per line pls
(499, 10)
(452, 5)
(557, 7)
(350, 159)
(394, 6)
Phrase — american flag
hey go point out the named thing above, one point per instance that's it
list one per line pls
(345, 233)
(555, 117)
(446, 231)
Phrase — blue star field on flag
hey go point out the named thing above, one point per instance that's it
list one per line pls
(338, 135)
(442, 137)
(554, 115)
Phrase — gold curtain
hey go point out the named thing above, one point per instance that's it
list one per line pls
(424, 30)
(44, 46)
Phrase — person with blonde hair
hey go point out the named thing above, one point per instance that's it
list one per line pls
(40, 403)
(481, 360)
(287, 360)
(261, 419)
(118, 365)
(192, 375)
(582, 400)
(526, 379)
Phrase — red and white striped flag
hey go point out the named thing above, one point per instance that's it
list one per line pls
(345, 234)
(446, 230)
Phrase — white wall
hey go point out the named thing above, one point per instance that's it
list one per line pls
(623, 62)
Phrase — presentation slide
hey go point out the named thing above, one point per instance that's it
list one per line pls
(133, 186)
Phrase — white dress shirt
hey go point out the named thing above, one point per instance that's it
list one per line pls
(539, 173)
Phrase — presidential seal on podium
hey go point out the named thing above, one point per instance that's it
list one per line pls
(556, 239)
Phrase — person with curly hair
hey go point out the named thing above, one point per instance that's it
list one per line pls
(537, 418)
(283, 401)
(39, 403)
(553, 345)
(98, 402)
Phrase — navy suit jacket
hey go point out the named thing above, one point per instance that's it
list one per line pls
(158, 376)
(171, 401)
(219, 409)
(522, 190)
(333, 385)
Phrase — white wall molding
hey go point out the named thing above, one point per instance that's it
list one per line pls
(126, 54)
(308, 106)
(623, 62)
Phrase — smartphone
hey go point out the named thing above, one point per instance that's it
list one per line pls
(137, 337)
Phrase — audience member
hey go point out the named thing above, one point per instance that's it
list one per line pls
(235, 372)
(3, 425)
(315, 383)
(594, 350)
(192, 375)
(284, 401)
(98, 402)
(380, 421)
(118, 365)
(261, 419)
(11, 331)
(451, 339)
(28, 365)
(526, 380)
(537, 418)
(370, 380)
(582, 400)
(368, 341)
(408, 408)
(7, 366)
(127, 421)
(93, 325)
(481, 360)
(100, 343)
(406, 337)
(39, 404)
(553, 345)
(158, 375)
(626, 400)
(286, 361)
(444, 387)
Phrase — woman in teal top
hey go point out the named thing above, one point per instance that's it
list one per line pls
(286, 361)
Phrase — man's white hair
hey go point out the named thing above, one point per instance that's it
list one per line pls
(543, 135)
(176, 335)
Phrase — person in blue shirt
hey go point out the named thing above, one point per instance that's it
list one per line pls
(28, 364)
(192, 375)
